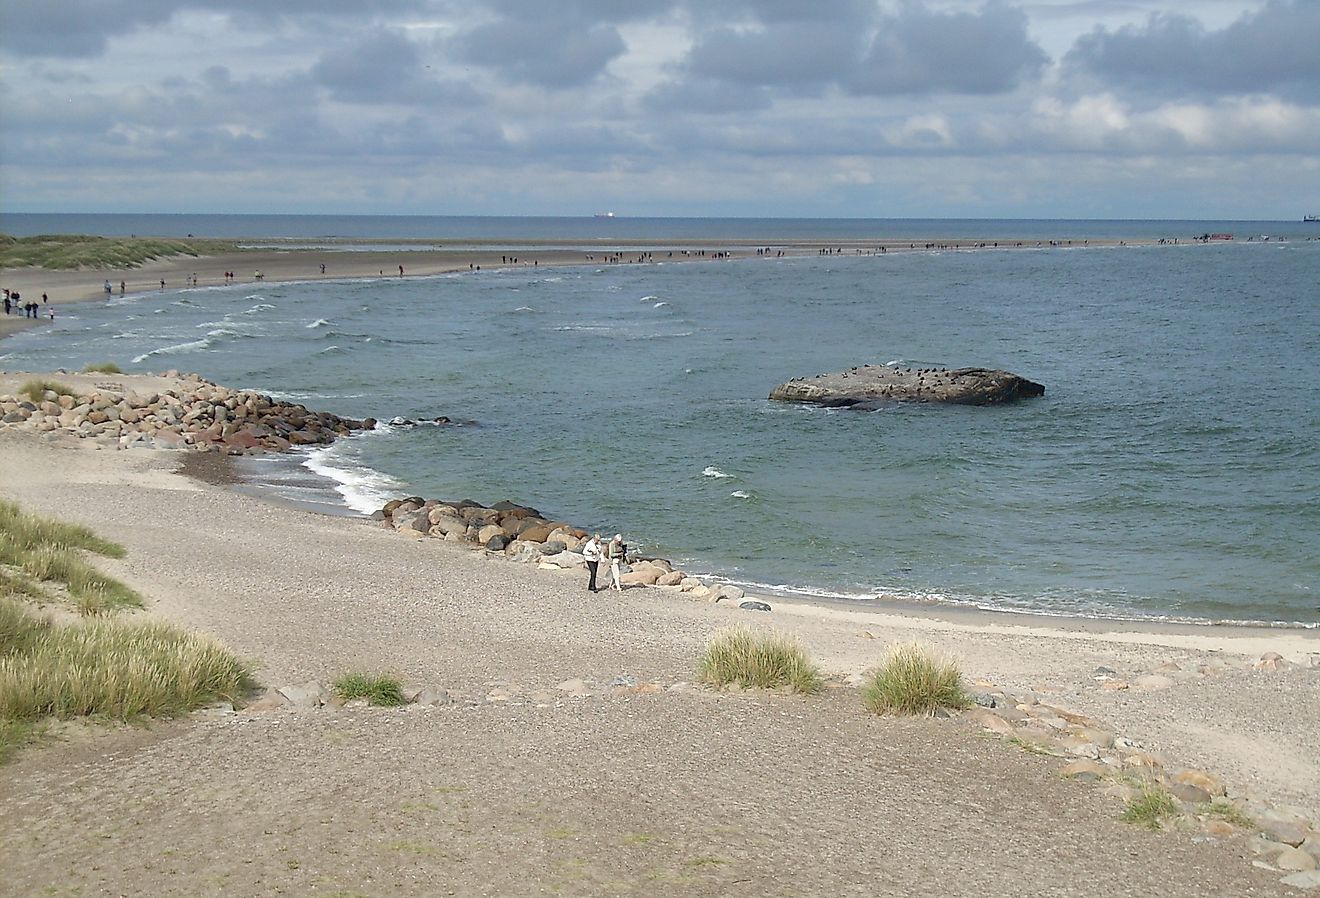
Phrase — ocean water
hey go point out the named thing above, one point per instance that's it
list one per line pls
(1172, 470)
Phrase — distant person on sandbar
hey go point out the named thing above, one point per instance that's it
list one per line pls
(400, 271)
(617, 551)
(108, 289)
(122, 287)
(591, 552)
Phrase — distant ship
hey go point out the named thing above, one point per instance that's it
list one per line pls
(604, 215)
(1311, 218)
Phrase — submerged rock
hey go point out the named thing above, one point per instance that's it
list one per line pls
(870, 386)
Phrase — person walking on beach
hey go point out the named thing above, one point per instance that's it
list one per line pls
(591, 552)
(617, 551)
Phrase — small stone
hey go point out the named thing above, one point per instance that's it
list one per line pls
(1309, 879)
(1114, 685)
(1281, 831)
(499, 694)
(304, 695)
(1207, 782)
(1085, 770)
(1189, 793)
(1216, 827)
(621, 682)
(991, 721)
(432, 696)
(1270, 661)
(268, 702)
(751, 605)
(1167, 667)
(1152, 682)
(985, 700)
(576, 688)
(1295, 860)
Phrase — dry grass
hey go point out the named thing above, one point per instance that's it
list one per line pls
(38, 549)
(112, 668)
(37, 388)
(766, 660)
(1151, 808)
(102, 368)
(912, 681)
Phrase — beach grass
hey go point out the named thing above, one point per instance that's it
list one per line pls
(36, 550)
(1152, 806)
(912, 681)
(102, 368)
(112, 668)
(37, 388)
(765, 660)
(78, 251)
(1229, 813)
(377, 689)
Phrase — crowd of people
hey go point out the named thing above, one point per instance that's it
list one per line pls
(15, 305)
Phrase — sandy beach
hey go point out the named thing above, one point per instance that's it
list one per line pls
(529, 783)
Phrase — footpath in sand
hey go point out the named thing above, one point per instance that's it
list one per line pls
(528, 783)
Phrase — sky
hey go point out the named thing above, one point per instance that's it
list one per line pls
(749, 108)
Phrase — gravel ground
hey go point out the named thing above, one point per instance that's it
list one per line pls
(683, 793)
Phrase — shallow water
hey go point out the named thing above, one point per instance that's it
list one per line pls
(1171, 470)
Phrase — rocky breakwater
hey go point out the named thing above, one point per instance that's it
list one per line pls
(871, 386)
(171, 412)
(523, 534)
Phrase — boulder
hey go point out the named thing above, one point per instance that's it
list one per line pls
(673, 578)
(414, 522)
(536, 534)
(489, 532)
(868, 386)
(729, 593)
(645, 576)
(564, 560)
(497, 543)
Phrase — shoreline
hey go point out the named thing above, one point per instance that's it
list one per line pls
(222, 471)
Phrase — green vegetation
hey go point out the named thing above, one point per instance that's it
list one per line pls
(75, 251)
(377, 689)
(1151, 808)
(1229, 813)
(37, 550)
(115, 668)
(103, 368)
(36, 389)
(765, 660)
(911, 681)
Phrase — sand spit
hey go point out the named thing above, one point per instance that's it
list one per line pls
(573, 754)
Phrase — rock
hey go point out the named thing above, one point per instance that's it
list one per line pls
(576, 688)
(1294, 859)
(1310, 879)
(872, 385)
(518, 550)
(268, 702)
(1201, 780)
(564, 560)
(304, 695)
(1282, 831)
(489, 532)
(699, 592)
(414, 523)
(642, 576)
(497, 543)
(988, 720)
(1270, 661)
(535, 534)
(673, 578)
(1152, 682)
(753, 605)
(432, 696)
(1189, 793)
(1086, 771)
(499, 694)
(729, 593)
(553, 547)
(687, 584)
(445, 524)
(1216, 827)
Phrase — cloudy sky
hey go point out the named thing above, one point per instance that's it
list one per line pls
(849, 108)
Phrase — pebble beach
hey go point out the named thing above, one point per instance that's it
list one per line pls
(558, 741)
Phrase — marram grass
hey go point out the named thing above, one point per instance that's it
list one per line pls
(37, 388)
(43, 550)
(913, 682)
(1151, 808)
(112, 668)
(102, 368)
(766, 660)
(377, 689)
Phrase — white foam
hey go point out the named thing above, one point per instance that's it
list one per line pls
(660, 304)
(320, 322)
(712, 471)
(363, 489)
(524, 309)
(740, 494)
(174, 350)
(648, 299)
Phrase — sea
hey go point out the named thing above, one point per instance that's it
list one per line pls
(1170, 472)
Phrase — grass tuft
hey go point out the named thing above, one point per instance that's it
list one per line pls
(113, 668)
(37, 388)
(1229, 813)
(16, 734)
(102, 368)
(28, 531)
(766, 660)
(912, 681)
(377, 689)
(1151, 808)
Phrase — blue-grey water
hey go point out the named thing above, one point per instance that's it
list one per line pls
(1171, 470)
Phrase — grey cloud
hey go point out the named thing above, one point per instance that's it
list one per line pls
(384, 67)
(1274, 48)
(706, 97)
(919, 51)
(778, 54)
(81, 28)
(547, 52)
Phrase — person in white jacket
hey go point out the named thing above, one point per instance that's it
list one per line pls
(591, 552)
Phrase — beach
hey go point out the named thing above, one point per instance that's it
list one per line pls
(521, 785)
(572, 752)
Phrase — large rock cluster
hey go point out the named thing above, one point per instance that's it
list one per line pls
(195, 415)
(869, 386)
(523, 534)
